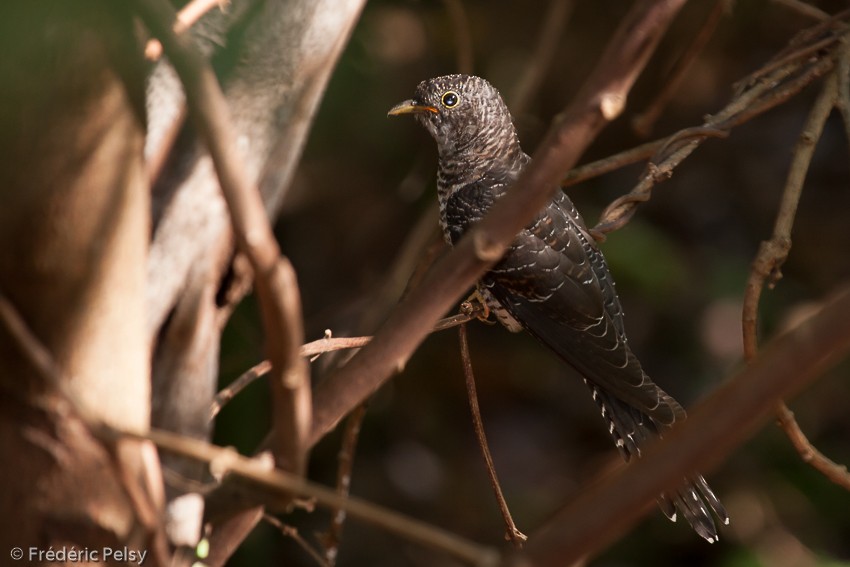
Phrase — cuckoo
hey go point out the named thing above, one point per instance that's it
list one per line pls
(553, 280)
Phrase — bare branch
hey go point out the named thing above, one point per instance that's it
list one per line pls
(764, 90)
(278, 485)
(732, 414)
(599, 102)
(612, 163)
(772, 253)
(330, 539)
(835, 472)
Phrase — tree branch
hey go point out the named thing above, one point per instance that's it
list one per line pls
(732, 414)
(765, 89)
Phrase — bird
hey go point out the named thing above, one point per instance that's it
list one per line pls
(553, 280)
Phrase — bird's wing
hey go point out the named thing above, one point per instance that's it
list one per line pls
(555, 282)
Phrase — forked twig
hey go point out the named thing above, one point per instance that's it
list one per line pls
(761, 91)
(512, 533)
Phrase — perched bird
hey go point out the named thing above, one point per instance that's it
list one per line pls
(553, 281)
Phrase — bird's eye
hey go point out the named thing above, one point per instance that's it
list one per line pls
(450, 99)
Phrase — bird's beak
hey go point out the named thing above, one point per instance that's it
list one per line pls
(411, 107)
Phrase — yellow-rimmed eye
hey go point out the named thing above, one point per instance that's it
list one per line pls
(450, 99)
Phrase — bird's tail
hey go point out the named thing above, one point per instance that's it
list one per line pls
(694, 499)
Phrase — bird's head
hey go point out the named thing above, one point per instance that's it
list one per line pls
(465, 114)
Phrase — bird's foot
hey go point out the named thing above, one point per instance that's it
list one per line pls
(476, 306)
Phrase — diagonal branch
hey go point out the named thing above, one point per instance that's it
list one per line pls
(765, 89)
(718, 425)
(599, 101)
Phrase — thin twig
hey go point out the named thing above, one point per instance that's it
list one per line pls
(275, 282)
(186, 17)
(279, 485)
(292, 532)
(843, 100)
(468, 312)
(835, 472)
(761, 95)
(512, 533)
(804, 44)
(330, 540)
(643, 123)
(772, 253)
(612, 163)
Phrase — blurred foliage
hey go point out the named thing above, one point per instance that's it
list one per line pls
(681, 266)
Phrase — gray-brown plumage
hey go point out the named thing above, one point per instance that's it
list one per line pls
(553, 281)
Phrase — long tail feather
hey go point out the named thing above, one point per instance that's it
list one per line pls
(693, 500)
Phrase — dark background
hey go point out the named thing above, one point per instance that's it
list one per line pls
(680, 265)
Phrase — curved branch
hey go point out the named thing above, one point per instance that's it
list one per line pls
(771, 256)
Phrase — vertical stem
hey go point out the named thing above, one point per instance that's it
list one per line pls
(516, 537)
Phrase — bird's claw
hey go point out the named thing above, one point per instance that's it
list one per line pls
(476, 306)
